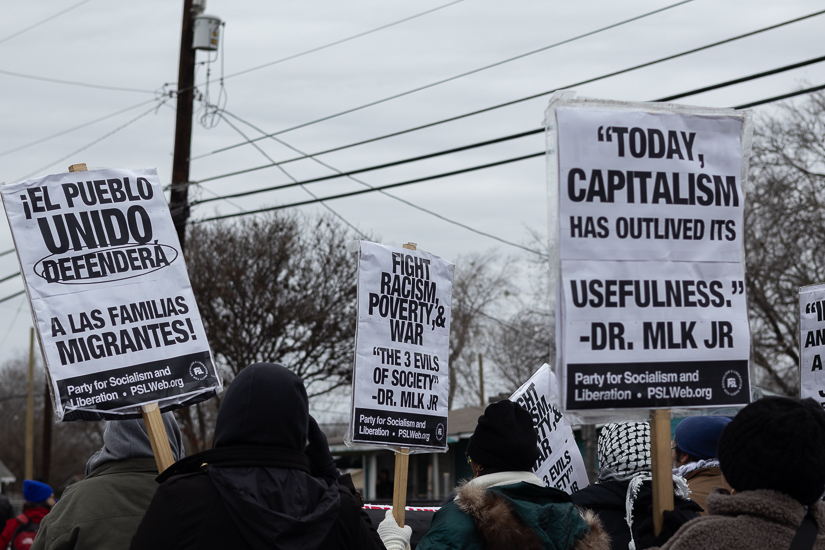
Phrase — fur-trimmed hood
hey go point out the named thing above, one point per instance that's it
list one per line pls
(500, 525)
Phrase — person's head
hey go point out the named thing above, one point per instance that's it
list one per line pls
(265, 405)
(504, 440)
(37, 494)
(126, 439)
(776, 443)
(695, 438)
(624, 450)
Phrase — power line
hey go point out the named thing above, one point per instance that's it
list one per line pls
(470, 169)
(405, 201)
(77, 83)
(295, 181)
(473, 145)
(9, 251)
(9, 277)
(387, 186)
(46, 20)
(337, 42)
(369, 168)
(98, 140)
(9, 297)
(534, 96)
(443, 81)
(64, 132)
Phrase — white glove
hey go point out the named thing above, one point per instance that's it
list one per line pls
(393, 536)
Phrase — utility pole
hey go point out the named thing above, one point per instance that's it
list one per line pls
(48, 422)
(179, 196)
(481, 379)
(29, 465)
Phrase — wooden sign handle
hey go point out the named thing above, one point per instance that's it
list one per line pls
(151, 412)
(662, 466)
(399, 492)
(157, 436)
(402, 465)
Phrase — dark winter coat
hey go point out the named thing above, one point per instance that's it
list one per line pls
(607, 500)
(103, 510)
(256, 488)
(6, 511)
(750, 520)
(522, 515)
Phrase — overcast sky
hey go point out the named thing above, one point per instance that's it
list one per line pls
(135, 45)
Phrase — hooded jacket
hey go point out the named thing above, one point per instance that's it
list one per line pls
(746, 521)
(512, 510)
(256, 488)
(104, 510)
(608, 501)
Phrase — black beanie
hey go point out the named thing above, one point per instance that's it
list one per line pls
(776, 443)
(504, 438)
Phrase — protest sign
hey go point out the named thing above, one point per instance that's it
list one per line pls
(648, 207)
(560, 463)
(109, 292)
(811, 340)
(401, 380)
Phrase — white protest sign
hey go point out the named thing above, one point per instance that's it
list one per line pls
(652, 311)
(109, 291)
(560, 464)
(401, 379)
(811, 342)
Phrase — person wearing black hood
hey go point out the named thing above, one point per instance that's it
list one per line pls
(261, 486)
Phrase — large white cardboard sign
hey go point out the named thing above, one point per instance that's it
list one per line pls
(648, 206)
(812, 342)
(560, 463)
(401, 378)
(110, 295)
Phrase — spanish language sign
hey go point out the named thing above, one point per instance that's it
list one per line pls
(401, 382)
(560, 463)
(811, 342)
(652, 310)
(111, 299)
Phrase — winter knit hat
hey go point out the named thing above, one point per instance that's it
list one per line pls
(698, 435)
(504, 438)
(35, 491)
(776, 443)
(624, 450)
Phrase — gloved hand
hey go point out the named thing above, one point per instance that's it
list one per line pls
(393, 536)
(672, 520)
(317, 451)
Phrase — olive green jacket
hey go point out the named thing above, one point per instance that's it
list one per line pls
(102, 511)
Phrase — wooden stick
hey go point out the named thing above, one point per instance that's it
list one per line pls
(161, 447)
(661, 463)
(402, 465)
(399, 492)
(157, 436)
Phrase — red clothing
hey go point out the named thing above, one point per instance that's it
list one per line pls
(35, 515)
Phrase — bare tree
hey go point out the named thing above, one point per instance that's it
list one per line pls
(478, 286)
(72, 442)
(784, 233)
(519, 346)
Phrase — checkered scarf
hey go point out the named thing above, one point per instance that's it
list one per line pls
(624, 455)
(624, 451)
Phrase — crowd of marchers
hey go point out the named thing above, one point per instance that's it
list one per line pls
(754, 481)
